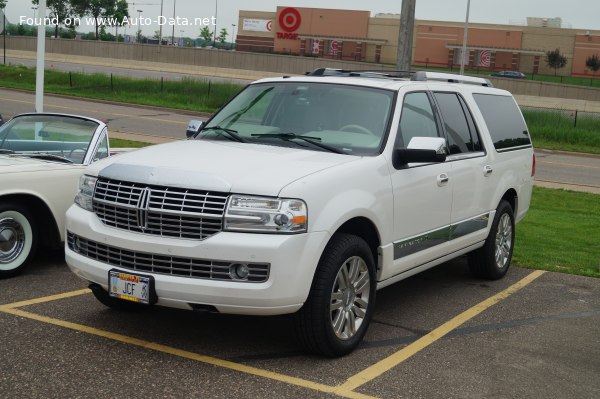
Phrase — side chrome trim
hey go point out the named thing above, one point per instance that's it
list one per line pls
(436, 237)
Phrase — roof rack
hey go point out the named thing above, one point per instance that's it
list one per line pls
(423, 76)
(419, 76)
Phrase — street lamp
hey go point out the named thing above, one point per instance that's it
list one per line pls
(233, 37)
(34, 11)
(464, 46)
(174, 18)
(139, 23)
(215, 32)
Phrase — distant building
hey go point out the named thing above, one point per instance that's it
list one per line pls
(544, 22)
(355, 35)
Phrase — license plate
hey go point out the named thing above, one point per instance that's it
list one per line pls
(130, 287)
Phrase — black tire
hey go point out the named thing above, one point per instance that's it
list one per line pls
(317, 324)
(18, 238)
(115, 303)
(493, 259)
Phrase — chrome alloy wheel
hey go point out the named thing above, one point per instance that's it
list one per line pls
(350, 297)
(503, 245)
(12, 240)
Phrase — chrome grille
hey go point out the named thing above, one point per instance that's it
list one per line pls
(164, 264)
(158, 210)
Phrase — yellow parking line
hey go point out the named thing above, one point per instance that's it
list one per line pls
(345, 390)
(11, 309)
(392, 361)
(44, 299)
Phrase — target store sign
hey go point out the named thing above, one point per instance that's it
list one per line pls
(289, 21)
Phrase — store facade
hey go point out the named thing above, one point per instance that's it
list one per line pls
(355, 35)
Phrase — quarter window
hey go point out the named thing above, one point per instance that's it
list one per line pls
(504, 121)
(417, 119)
(462, 134)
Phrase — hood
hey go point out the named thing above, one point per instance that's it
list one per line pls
(13, 164)
(218, 166)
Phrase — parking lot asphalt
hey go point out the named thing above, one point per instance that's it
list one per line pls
(440, 334)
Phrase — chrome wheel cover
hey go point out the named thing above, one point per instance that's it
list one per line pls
(503, 247)
(12, 240)
(350, 297)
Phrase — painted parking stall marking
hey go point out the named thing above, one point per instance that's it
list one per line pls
(347, 389)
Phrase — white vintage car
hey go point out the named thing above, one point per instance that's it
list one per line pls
(41, 158)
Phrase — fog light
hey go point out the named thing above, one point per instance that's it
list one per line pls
(239, 271)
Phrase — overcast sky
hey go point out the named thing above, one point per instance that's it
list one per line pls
(581, 14)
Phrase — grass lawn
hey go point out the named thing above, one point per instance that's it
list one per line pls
(560, 233)
(120, 143)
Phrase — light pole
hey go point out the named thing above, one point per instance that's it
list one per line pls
(215, 32)
(34, 11)
(464, 46)
(233, 37)
(160, 25)
(139, 23)
(174, 18)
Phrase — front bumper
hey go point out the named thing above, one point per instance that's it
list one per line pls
(292, 259)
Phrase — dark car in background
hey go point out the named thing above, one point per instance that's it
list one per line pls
(509, 74)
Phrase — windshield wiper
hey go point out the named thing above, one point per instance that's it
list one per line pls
(49, 157)
(293, 136)
(232, 134)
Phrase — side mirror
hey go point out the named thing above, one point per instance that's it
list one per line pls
(193, 128)
(420, 150)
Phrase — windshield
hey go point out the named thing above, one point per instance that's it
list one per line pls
(315, 116)
(56, 137)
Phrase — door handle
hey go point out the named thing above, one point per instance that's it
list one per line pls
(487, 170)
(442, 179)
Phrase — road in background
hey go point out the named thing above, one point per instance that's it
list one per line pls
(157, 125)
(124, 72)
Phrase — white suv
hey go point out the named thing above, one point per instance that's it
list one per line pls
(306, 195)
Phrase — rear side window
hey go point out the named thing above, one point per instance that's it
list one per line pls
(462, 134)
(504, 121)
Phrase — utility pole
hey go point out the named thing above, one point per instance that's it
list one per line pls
(41, 55)
(405, 35)
(160, 25)
(463, 52)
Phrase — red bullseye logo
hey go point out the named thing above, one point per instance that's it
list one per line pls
(289, 19)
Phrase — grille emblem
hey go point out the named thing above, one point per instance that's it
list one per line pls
(142, 208)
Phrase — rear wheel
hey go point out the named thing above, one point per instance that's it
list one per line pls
(339, 308)
(493, 259)
(18, 238)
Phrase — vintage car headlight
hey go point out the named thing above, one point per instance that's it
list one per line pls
(85, 193)
(265, 215)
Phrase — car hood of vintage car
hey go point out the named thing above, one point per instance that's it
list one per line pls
(218, 166)
(15, 164)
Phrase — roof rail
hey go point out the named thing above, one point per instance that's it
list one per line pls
(420, 76)
(451, 78)
(364, 73)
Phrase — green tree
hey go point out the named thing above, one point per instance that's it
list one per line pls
(223, 36)
(59, 9)
(554, 59)
(121, 12)
(593, 62)
(206, 35)
(3, 4)
(96, 9)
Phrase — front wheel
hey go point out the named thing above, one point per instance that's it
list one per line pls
(18, 238)
(493, 259)
(340, 304)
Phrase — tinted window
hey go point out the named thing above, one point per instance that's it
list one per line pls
(417, 119)
(462, 136)
(504, 121)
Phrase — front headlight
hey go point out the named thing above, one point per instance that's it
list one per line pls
(85, 194)
(265, 215)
